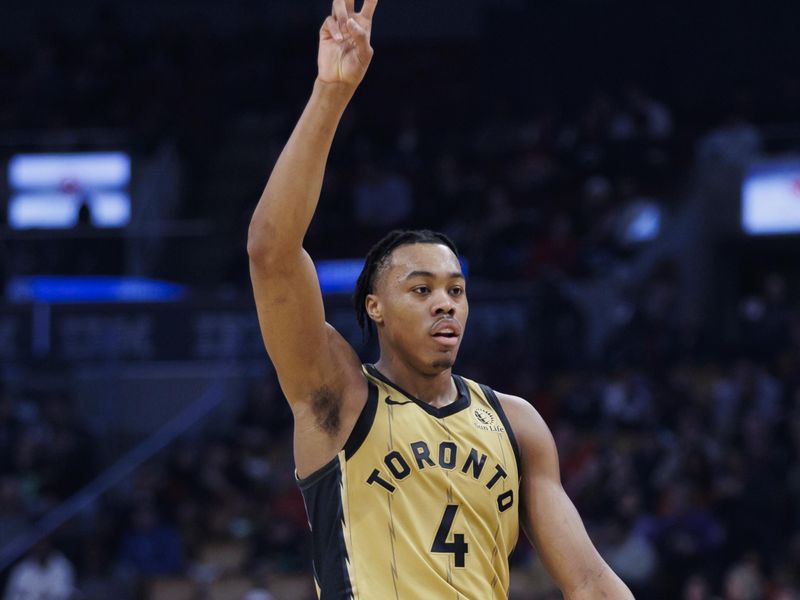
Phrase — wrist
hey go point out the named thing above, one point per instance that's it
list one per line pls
(334, 92)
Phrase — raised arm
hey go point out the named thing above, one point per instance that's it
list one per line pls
(550, 519)
(318, 371)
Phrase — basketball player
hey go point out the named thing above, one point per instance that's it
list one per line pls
(415, 479)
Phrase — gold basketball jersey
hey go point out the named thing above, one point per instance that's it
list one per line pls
(421, 503)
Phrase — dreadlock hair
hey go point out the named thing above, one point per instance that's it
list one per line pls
(378, 258)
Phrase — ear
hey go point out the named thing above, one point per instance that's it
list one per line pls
(374, 308)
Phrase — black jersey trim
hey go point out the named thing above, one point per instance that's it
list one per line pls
(494, 401)
(318, 475)
(463, 401)
(323, 501)
(364, 423)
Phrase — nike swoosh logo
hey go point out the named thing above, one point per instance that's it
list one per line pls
(390, 401)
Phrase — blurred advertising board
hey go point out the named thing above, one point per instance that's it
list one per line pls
(64, 333)
(64, 190)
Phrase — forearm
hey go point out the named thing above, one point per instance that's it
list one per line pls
(571, 558)
(604, 584)
(290, 198)
(577, 568)
(551, 520)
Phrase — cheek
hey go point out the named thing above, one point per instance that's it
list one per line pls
(405, 318)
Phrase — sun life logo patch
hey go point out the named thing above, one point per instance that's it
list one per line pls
(485, 420)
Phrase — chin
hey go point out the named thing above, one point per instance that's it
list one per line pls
(443, 363)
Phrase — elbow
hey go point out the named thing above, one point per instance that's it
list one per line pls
(262, 241)
(266, 249)
(257, 242)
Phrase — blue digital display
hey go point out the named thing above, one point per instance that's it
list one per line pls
(335, 277)
(340, 276)
(57, 289)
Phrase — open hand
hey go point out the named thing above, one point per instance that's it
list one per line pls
(344, 43)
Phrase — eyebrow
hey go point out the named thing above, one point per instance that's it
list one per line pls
(453, 275)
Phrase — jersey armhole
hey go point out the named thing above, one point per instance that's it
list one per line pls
(364, 422)
(494, 401)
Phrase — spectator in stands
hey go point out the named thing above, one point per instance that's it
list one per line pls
(632, 556)
(697, 588)
(151, 547)
(45, 574)
(744, 581)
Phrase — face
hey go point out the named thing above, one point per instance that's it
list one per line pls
(420, 306)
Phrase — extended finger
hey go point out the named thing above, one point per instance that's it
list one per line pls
(340, 14)
(331, 27)
(351, 6)
(361, 38)
(368, 9)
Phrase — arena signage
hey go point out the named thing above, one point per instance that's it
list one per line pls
(15, 334)
(179, 331)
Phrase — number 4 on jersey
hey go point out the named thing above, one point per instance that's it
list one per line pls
(458, 547)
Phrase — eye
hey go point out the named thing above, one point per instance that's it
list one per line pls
(421, 289)
(457, 291)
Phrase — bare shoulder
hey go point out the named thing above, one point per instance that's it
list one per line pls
(532, 433)
(524, 418)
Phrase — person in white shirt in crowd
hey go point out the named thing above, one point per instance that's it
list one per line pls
(44, 574)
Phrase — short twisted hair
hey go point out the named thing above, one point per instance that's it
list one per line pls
(378, 258)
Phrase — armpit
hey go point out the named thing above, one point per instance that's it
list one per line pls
(326, 405)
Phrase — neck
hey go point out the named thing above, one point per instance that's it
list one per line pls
(437, 390)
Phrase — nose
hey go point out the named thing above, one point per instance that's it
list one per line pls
(443, 304)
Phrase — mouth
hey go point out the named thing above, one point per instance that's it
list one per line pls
(446, 332)
(447, 340)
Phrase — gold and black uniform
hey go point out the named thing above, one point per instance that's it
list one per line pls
(422, 502)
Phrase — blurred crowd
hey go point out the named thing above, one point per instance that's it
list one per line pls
(680, 450)
(235, 492)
